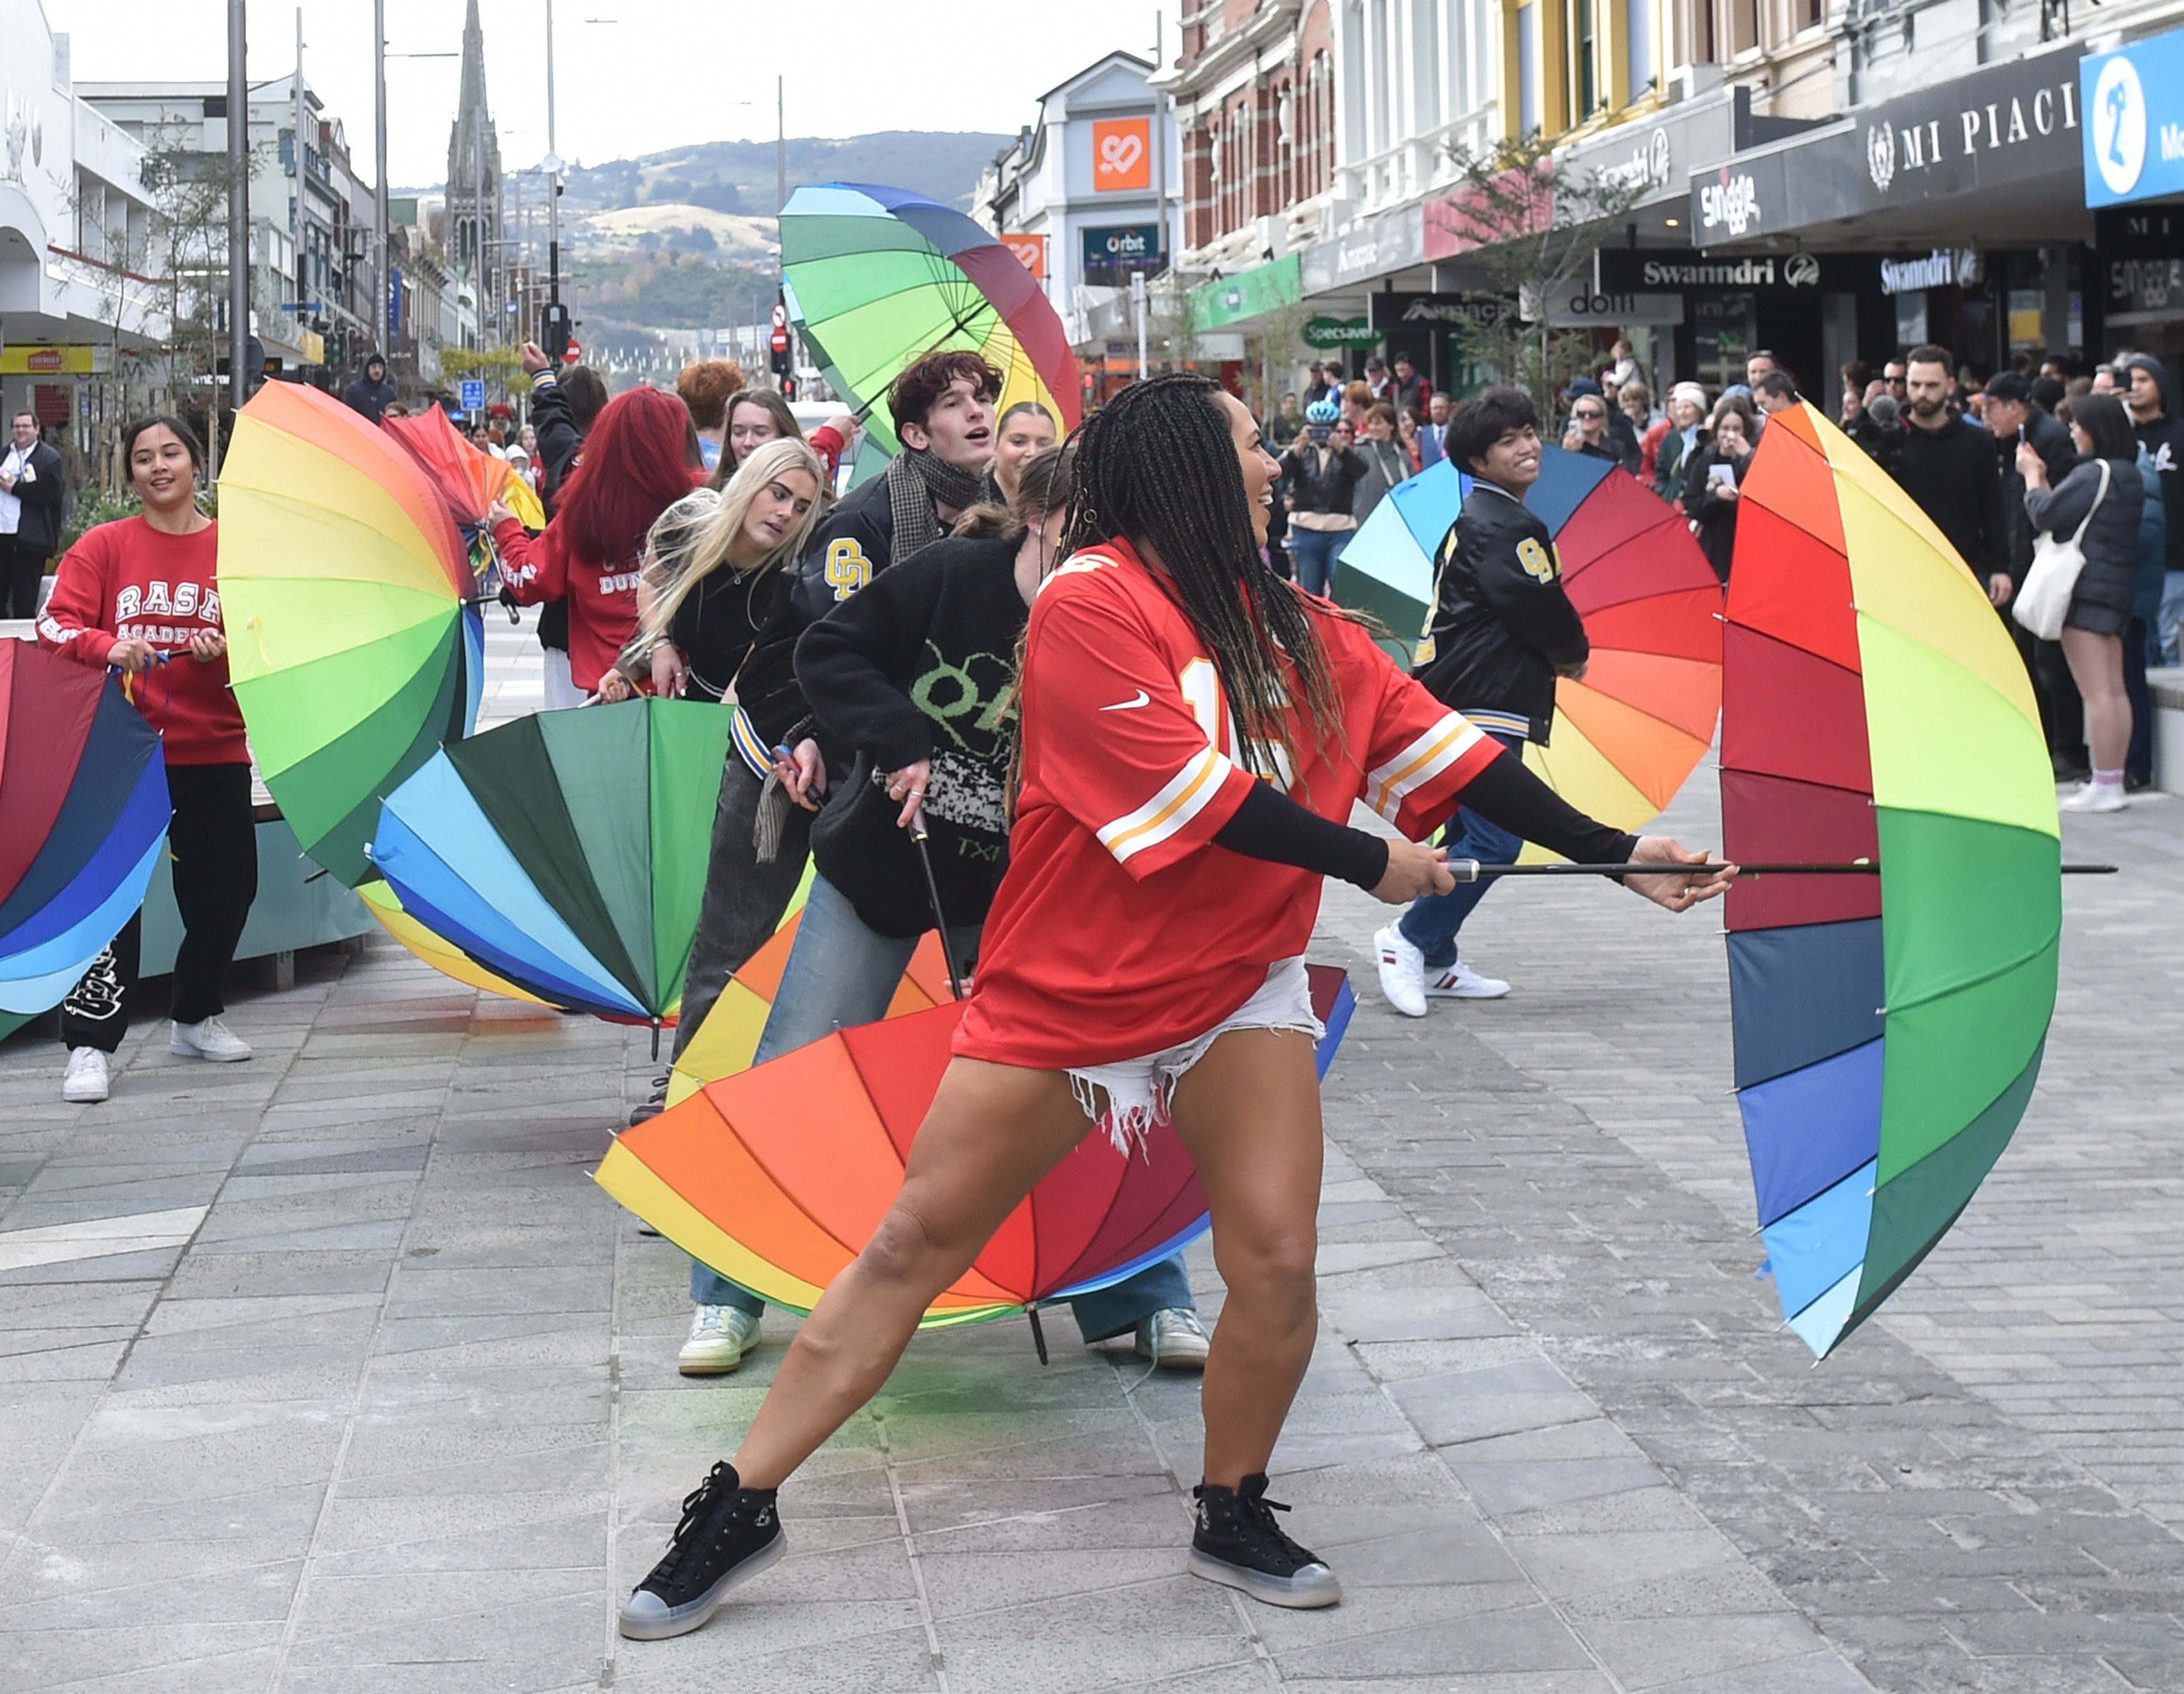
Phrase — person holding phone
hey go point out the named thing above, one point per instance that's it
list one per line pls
(1711, 482)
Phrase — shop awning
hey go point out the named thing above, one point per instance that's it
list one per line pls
(1247, 294)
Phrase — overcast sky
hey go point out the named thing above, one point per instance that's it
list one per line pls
(665, 72)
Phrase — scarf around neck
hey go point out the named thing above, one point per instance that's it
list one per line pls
(918, 482)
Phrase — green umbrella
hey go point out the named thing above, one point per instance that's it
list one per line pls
(566, 852)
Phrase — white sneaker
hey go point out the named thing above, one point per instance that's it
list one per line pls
(1460, 982)
(211, 1040)
(2095, 797)
(85, 1085)
(1173, 1338)
(1402, 971)
(720, 1336)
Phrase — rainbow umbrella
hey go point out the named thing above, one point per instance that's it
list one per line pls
(875, 276)
(564, 853)
(1624, 739)
(777, 1175)
(1888, 1028)
(83, 814)
(469, 481)
(354, 649)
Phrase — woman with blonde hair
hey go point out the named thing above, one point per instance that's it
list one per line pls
(709, 574)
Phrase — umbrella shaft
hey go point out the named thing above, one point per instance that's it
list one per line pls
(1471, 871)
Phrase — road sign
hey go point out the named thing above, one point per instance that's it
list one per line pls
(473, 392)
(781, 341)
(572, 351)
(780, 317)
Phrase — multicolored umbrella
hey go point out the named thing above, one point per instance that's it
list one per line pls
(1889, 1029)
(83, 816)
(875, 276)
(469, 479)
(344, 582)
(1624, 739)
(444, 956)
(564, 852)
(777, 1176)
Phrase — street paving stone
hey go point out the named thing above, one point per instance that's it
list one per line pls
(400, 1411)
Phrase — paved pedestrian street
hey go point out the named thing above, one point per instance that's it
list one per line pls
(334, 1371)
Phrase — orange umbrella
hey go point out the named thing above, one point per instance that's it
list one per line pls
(468, 480)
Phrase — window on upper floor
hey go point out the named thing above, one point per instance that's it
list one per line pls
(1528, 69)
(1584, 82)
(1638, 46)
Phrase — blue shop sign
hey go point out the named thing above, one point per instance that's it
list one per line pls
(2134, 130)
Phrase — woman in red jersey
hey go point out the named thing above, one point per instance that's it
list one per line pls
(640, 458)
(1195, 733)
(140, 594)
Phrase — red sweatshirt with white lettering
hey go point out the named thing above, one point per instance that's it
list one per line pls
(126, 581)
(602, 598)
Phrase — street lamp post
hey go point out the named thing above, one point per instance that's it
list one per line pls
(239, 211)
(382, 287)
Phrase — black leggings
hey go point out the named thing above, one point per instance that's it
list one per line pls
(21, 573)
(212, 844)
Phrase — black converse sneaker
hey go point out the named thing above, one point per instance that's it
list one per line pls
(728, 1532)
(1237, 1542)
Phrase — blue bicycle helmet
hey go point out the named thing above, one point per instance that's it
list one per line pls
(1322, 412)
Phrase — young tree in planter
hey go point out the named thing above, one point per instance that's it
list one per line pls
(1531, 220)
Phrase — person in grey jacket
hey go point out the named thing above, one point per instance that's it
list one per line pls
(1386, 463)
(2100, 606)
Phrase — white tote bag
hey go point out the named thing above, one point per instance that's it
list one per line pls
(2044, 601)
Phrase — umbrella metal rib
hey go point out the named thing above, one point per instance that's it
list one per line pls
(1470, 870)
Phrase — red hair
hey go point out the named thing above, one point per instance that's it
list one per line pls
(636, 462)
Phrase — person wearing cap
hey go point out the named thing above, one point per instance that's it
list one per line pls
(1377, 379)
(372, 393)
(1679, 438)
(1321, 474)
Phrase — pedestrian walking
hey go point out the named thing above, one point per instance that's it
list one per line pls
(912, 683)
(1714, 480)
(140, 596)
(705, 386)
(640, 458)
(1946, 464)
(372, 393)
(1132, 976)
(1322, 476)
(2099, 502)
(1503, 630)
(33, 490)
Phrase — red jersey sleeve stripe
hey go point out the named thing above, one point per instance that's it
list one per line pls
(1182, 798)
(1446, 755)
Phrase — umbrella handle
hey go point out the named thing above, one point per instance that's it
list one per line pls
(918, 833)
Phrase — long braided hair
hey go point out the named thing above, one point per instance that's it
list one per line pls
(1157, 466)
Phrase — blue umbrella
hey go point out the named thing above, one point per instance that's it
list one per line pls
(1387, 567)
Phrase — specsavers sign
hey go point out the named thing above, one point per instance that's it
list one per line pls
(2134, 129)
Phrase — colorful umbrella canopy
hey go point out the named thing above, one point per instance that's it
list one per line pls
(381, 900)
(468, 480)
(564, 852)
(343, 580)
(1888, 1028)
(83, 814)
(875, 276)
(777, 1176)
(1624, 739)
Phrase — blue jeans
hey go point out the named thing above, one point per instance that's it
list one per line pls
(2170, 618)
(841, 973)
(1313, 551)
(1431, 924)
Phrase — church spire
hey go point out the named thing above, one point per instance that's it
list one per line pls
(473, 186)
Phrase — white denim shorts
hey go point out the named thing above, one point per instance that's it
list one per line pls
(1128, 1099)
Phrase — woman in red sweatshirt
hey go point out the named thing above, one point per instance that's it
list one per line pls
(140, 595)
(640, 458)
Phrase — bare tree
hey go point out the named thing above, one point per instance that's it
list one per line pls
(1532, 221)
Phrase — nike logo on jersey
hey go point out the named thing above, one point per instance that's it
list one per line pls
(1143, 699)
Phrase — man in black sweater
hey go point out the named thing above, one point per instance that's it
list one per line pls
(1947, 467)
(2011, 416)
(2161, 434)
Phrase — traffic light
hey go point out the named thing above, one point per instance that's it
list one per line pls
(554, 331)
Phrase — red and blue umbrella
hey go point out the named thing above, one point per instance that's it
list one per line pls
(83, 814)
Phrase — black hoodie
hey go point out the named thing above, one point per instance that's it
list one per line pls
(2163, 437)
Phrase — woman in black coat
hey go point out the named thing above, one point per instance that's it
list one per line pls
(1712, 480)
(2101, 604)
